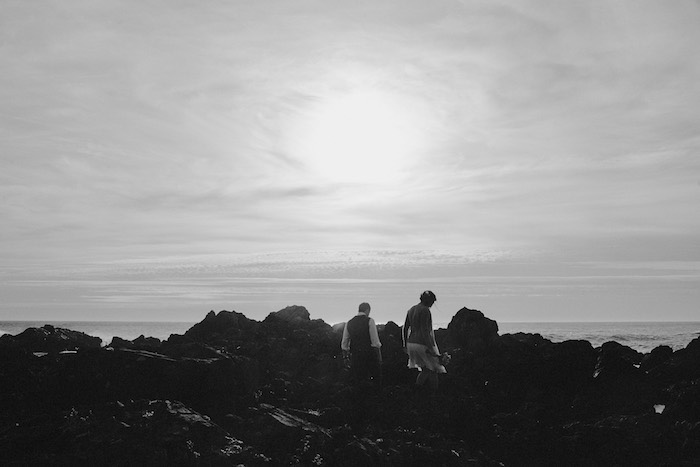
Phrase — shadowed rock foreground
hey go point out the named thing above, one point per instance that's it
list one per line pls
(232, 391)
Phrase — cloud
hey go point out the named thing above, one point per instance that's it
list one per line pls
(562, 131)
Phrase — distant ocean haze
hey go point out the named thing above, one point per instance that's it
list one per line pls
(641, 336)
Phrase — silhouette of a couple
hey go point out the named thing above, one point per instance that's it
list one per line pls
(361, 345)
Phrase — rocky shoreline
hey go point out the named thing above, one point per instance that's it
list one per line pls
(234, 391)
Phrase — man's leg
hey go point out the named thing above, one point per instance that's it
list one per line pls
(361, 367)
(375, 371)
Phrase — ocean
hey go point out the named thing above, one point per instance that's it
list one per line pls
(641, 336)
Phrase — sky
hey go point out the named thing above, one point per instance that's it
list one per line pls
(535, 160)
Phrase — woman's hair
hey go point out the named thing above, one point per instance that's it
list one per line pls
(428, 298)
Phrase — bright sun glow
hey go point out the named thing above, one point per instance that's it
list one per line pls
(359, 137)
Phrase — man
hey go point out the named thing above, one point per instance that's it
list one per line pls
(361, 343)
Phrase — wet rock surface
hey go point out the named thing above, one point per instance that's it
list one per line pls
(235, 391)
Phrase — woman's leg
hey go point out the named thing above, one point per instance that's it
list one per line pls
(423, 376)
(433, 381)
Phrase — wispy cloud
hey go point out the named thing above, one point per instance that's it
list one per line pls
(564, 132)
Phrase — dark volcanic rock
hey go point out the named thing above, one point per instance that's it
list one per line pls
(157, 432)
(392, 331)
(119, 343)
(394, 367)
(615, 360)
(471, 330)
(232, 390)
(43, 385)
(293, 322)
(147, 343)
(682, 401)
(571, 364)
(49, 339)
(523, 338)
(645, 439)
(140, 343)
(295, 318)
(292, 313)
(338, 328)
(656, 357)
(683, 365)
(222, 326)
(619, 385)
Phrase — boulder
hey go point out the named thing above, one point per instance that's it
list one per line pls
(219, 327)
(682, 401)
(147, 343)
(527, 339)
(656, 357)
(615, 360)
(471, 330)
(338, 328)
(390, 332)
(119, 343)
(683, 365)
(293, 313)
(50, 339)
(294, 322)
(141, 342)
(394, 369)
(567, 367)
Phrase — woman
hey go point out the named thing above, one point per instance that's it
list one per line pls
(419, 342)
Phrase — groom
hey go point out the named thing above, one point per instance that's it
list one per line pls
(361, 343)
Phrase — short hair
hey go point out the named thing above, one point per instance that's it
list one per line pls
(428, 298)
(364, 307)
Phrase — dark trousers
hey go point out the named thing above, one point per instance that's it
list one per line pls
(365, 367)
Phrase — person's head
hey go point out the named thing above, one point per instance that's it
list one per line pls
(427, 298)
(364, 308)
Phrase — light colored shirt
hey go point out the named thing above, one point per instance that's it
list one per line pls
(373, 335)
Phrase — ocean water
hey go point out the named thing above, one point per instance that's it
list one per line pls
(642, 336)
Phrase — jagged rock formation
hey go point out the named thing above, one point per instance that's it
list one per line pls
(232, 390)
(471, 330)
(48, 339)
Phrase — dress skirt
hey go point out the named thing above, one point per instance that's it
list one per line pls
(418, 358)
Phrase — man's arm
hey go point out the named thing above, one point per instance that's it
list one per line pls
(345, 343)
(374, 339)
(373, 334)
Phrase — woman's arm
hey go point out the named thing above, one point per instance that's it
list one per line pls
(431, 335)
